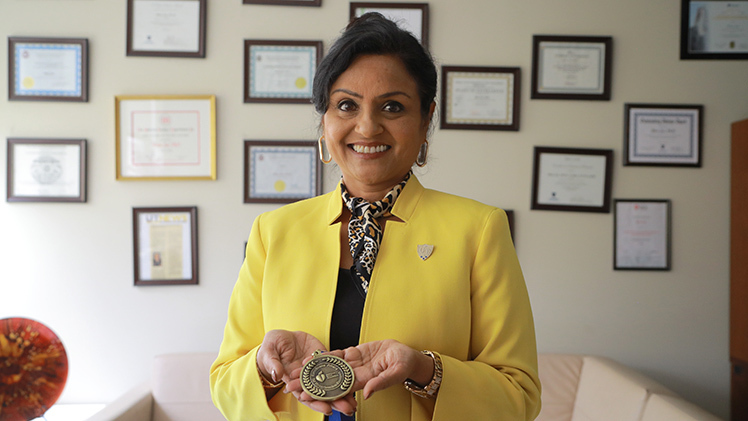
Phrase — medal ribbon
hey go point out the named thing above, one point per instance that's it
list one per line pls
(365, 233)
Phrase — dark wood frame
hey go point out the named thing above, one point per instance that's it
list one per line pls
(312, 3)
(516, 86)
(627, 139)
(685, 54)
(200, 53)
(248, 144)
(12, 197)
(248, 43)
(607, 185)
(192, 210)
(424, 7)
(668, 234)
(14, 96)
(607, 41)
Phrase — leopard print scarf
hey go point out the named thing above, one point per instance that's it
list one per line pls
(365, 233)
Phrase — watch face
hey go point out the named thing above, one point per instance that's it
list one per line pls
(326, 377)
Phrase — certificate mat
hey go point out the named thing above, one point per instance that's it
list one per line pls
(168, 25)
(480, 98)
(717, 27)
(661, 135)
(165, 246)
(281, 71)
(574, 180)
(44, 170)
(282, 172)
(166, 137)
(571, 67)
(51, 69)
(642, 234)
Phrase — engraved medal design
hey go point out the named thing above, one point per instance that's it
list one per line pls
(326, 377)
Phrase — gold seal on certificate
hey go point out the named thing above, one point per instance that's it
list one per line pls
(326, 377)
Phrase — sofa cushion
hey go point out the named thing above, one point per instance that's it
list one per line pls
(181, 390)
(559, 377)
(611, 391)
(673, 408)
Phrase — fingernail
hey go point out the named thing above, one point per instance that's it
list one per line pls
(286, 391)
(275, 377)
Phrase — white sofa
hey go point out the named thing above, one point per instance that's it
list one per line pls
(575, 388)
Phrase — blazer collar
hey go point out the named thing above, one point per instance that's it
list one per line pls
(404, 207)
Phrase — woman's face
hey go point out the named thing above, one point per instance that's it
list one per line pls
(373, 125)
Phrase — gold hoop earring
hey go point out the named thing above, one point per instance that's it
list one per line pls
(321, 154)
(421, 159)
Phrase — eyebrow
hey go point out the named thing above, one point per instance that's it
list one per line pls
(357, 95)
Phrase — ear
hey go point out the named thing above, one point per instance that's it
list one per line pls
(427, 121)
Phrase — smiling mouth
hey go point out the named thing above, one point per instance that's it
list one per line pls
(369, 149)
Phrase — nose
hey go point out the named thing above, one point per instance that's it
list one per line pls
(368, 124)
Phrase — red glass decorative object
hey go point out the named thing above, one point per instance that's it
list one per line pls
(33, 369)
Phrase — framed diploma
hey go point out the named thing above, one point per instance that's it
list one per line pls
(46, 170)
(413, 17)
(480, 98)
(280, 71)
(281, 171)
(662, 135)
(314, 3)
(166, 137)
(166, 28)
(48, 69)
(165, 241)
(714, 30)
(642, 234)
(571, 67)
(572, 179)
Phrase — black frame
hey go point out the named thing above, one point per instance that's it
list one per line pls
(14, 96)
(668, 235)
(12, 197)
(607, 41)
(200, 53)
(627, 139)
(424, 7)
(685, 37)
(192, 210)
(607, 185)
(302, 144)
(516, 95)
(248, 43)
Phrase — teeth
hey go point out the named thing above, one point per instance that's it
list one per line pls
(369, 149)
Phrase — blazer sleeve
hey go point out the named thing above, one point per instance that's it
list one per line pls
(500, 379)
(235, 384)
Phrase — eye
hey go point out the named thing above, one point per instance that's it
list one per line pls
(346, 105)
(393, 107)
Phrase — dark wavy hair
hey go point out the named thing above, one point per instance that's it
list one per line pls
(374, 34)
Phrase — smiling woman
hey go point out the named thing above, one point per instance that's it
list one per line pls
(336, 275)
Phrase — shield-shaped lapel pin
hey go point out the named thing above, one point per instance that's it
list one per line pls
(425, 250)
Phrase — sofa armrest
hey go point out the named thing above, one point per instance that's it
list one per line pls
(135, 405)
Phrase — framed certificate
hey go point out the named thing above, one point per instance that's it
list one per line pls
(165, 241)
(413, 17)
(281, 171)
(642, 234)
(714, 30)
(46, 170)
(480, 98)
(48, 69)
(166, 137)
(166, 28)
(662, 135)
(571, 67)
(280, 71)
(572, 179)
(315, 3)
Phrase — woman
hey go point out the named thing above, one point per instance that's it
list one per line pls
(412, 270)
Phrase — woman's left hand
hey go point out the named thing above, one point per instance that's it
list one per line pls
(381, 364)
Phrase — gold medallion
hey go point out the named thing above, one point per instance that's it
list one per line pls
(326, 377)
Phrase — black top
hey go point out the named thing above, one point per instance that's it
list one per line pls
(346, 313)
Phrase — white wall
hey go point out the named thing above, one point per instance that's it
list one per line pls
(71, 265)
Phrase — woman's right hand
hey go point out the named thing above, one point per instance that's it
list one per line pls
(283, 351)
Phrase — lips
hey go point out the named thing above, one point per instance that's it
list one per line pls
(369, 149)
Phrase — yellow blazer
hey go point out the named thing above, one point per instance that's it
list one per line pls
(467, 301)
